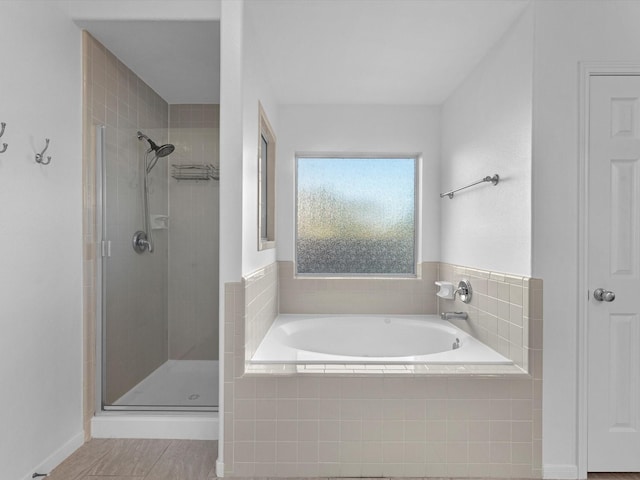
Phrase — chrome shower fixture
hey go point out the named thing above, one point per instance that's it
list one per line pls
(143, 239)
(464, 291)
(162, 150)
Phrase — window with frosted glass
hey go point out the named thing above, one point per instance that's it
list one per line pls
(356, 216)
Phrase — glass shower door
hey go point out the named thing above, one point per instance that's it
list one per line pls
(138, 372)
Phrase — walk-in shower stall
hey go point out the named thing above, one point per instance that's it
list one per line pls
(156, 230)
(158, 274)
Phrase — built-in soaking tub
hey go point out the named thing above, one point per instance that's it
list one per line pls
(371, 339)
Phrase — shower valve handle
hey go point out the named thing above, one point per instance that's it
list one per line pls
(140, 242)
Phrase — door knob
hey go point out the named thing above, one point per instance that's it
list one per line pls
(602, 295)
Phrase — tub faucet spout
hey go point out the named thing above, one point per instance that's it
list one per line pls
(448, 315)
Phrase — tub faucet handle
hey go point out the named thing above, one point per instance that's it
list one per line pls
(464, 291)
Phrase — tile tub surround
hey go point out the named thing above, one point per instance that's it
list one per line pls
(358, 295)
(261, 306)
(330, 424)
(505, 311)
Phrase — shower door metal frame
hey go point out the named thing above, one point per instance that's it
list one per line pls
(100, 380)
(103, 248)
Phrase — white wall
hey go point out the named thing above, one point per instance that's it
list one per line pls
(40, 239)
(566, 33)
(359, 129)
(486, 129)
(142, 9)
(231, 213)
(256, 88)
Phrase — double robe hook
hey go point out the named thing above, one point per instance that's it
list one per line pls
(4, 145)
(40, 156)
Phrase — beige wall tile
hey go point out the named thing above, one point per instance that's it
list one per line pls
(193, 309)
(348, 295)
(261, 308)
(265, 452)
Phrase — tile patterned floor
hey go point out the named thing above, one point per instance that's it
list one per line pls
(129, 459)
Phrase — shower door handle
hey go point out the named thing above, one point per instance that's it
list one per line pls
(106, 248)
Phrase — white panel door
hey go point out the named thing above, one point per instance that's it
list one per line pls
(614, 267)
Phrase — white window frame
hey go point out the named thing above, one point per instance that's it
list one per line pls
(266, 131)
(416, 213)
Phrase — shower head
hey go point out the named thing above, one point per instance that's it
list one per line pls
(164, 150)
(160, 151)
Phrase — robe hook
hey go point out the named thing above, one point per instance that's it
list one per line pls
(4, 145)
(40, 156)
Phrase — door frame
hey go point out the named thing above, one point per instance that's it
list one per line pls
(586, 71)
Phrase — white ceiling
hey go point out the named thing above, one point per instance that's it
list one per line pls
(322, 51)
(180, 60)
(375, 51)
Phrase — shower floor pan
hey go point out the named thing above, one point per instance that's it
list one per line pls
(176, 383)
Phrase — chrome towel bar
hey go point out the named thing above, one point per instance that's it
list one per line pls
(495, 179)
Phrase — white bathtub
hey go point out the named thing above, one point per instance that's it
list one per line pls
(371, 339)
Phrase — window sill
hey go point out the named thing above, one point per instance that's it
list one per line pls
(266, 245)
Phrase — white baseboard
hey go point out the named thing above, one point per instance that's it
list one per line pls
(560, 472)
(219, 469)
(183, 427)
(57, 457)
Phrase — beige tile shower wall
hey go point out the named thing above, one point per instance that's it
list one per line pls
(135, 336)
(358, 295)
(193, 236)
(374, 425)
(505, 311)
(261, 306)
